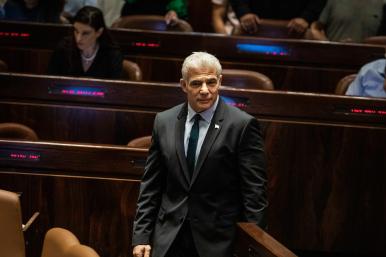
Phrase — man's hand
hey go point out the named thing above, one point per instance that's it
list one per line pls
(141, 251)
(298, 25)
(250, 23)
(171, 18)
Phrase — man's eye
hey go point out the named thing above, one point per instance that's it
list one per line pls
(212, 82)
(196, 84)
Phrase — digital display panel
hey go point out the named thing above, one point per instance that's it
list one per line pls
(77, 90)
(239, 102)
(14, 34)
(274, 50)
(362, 111)
(19, 155)
(143, 44)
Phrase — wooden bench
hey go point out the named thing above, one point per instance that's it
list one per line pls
(297, 65)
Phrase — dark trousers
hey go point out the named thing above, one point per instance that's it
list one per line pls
(183, 245)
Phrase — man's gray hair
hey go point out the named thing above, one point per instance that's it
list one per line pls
(199, 60)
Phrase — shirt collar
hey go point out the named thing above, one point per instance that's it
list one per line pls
(207, 115)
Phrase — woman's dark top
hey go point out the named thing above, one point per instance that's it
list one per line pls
(66, 61)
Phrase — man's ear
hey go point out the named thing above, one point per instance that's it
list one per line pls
(183, 85)
(220, 80)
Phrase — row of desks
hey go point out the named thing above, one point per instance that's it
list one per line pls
(91, 190)
(325, 157)
(297, 65)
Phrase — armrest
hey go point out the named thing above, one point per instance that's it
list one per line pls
(253, 241)
(30, 221)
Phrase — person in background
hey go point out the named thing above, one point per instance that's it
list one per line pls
(11, 10)
(71, 7)
(370, 81)
(42, 10)
(205, 172)
(348, 20)
(300, 13)
(111, 10)
(89, 51)
(171, 9)
(224, 19)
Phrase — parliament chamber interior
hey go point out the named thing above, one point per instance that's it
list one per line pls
(73, 148)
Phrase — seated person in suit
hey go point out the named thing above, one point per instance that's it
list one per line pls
(172, 9)
(348, 20)
(370, 81)
(300, 13)
(90, 51)
(10, 10)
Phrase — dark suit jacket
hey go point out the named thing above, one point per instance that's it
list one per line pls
(228, 184)
(66, 61)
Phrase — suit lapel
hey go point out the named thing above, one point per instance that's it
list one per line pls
(180, 148)
(213, 131)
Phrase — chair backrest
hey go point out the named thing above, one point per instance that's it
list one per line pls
(80, 251)
(344, 83)
(17, 131)
(140, 142)
(271, 29)
(131, 71)
(246, 79)
(3, 66)
(151, 22)
(376, 40)
(57, 241)
(11, 234)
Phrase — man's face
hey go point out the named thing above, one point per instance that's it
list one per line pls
(201, 88)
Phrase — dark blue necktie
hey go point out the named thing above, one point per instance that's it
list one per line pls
(192, 146)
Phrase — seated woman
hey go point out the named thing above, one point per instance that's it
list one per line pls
(90, 51)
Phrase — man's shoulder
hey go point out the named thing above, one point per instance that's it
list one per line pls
(377, 65)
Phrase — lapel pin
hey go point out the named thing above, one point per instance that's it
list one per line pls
(216, 126)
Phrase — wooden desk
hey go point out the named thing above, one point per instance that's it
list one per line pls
(325, 153)
(296, 65)
(89, 189)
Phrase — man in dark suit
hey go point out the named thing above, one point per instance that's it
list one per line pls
(205, 172)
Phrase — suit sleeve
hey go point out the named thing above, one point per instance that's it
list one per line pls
(252, 166)
(150, 193)
(240, 7)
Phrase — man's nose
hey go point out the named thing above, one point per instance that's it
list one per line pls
(204, 88)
